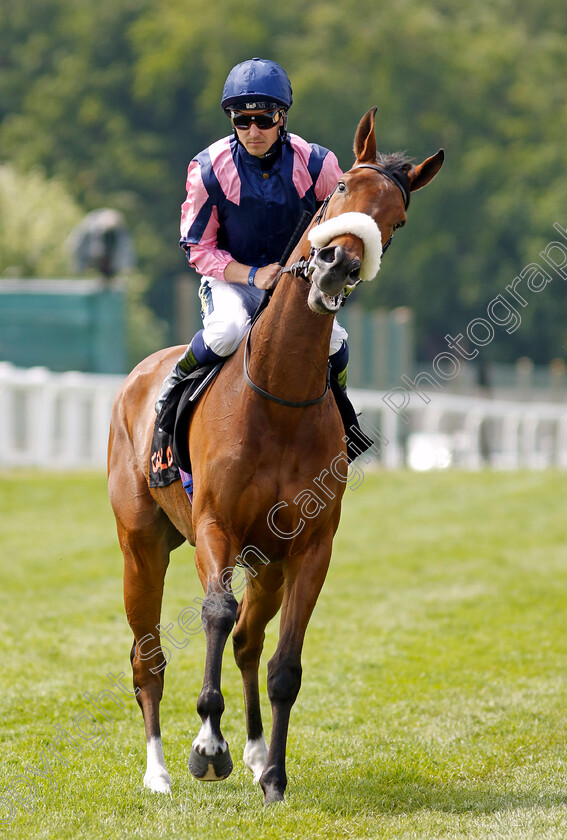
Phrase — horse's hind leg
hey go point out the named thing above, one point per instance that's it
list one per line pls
(146, 537)
(144, 571)
(260, 602)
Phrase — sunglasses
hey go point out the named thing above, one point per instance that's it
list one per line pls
(263, 121)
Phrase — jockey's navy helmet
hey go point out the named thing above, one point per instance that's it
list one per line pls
(257, 84)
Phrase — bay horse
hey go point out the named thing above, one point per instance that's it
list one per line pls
(260, 434)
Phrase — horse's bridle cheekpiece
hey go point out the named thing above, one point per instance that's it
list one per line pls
(394, 180)
(391, 177)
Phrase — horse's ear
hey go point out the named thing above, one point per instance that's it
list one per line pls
(422, 174)
(365, 139)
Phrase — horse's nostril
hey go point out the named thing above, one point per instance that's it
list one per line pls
(331, 255)
(339, 255)
(327, 255)
(354, 273)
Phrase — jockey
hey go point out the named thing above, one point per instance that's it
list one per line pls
(245, 195)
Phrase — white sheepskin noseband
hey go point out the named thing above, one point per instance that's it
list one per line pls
(360, 225)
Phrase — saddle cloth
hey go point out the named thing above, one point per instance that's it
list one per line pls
(169, 454)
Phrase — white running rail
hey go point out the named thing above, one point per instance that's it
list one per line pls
(60, 421)
(54, 420)
(475, 432)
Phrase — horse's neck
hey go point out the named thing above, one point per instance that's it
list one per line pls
(290, 344)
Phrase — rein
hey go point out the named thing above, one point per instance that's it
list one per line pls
(272, 397)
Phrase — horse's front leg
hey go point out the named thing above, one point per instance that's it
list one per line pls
(261, 601)
(210, 757)
(304, 577)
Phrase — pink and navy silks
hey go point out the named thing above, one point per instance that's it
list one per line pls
(187, 482)
(220, 219)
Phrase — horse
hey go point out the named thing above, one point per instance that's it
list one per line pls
(261, 432)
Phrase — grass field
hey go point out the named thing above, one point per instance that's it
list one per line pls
(434, 692)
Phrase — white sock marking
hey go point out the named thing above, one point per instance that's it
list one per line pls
(156, 778)
(206, 743)
(255, 755)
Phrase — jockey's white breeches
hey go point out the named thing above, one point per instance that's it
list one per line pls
(226, 309)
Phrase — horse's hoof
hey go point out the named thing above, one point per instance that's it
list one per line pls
(210, 768)
(158, 782)
(272, 794)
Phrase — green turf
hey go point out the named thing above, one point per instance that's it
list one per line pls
(433, 699)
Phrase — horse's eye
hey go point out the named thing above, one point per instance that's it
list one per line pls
(341, 187)
(399, 225)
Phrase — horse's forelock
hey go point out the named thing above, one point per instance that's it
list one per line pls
(398, 164)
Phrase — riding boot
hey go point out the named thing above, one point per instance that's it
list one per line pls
(356, 441)
(339, 365)
(185, 365)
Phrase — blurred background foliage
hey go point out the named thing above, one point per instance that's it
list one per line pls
(104, 104)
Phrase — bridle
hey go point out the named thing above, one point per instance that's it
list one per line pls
(303, 269)
(393, 178)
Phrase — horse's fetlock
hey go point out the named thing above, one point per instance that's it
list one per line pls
(210, 703)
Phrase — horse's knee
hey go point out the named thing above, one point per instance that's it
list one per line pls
(148, 666)
(247, 657)
(148, 685)
(247, 651)
(284, 681)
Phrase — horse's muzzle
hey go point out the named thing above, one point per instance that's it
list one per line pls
(333, 270)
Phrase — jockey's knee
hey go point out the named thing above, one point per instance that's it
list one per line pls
(339, 337)
(224, 341)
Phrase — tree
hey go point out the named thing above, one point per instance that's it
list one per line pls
(115, 98)
(36, 217)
